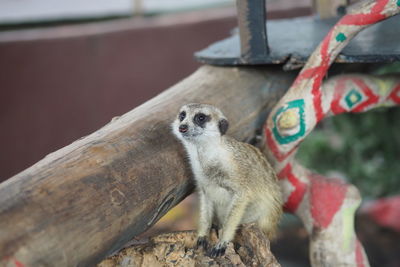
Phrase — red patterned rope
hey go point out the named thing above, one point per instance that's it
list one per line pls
(326, 206)
(307, 86)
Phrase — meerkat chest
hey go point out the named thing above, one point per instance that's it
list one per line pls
(214, 175)
(217, 194)
(210, 165)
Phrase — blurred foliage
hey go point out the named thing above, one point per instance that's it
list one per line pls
(364, 147)
(387, 69)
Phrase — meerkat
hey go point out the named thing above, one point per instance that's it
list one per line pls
(235, 182)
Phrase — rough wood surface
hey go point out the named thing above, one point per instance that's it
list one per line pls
(85, 201)
(250, 248)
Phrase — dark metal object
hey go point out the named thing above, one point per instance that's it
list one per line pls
(291, 41)
(252, 30)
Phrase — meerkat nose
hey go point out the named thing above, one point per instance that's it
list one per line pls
(183, 128)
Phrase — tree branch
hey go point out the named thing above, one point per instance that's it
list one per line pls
(88, 199)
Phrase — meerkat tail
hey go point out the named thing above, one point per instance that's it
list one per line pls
(269, 224)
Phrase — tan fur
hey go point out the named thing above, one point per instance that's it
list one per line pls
(258, 178)
(236, 184)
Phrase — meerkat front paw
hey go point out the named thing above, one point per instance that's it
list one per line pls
(218, 250)
(202, 242)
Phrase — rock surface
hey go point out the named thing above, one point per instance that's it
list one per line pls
(250, 248)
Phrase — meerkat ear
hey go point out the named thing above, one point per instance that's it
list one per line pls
(223, 125)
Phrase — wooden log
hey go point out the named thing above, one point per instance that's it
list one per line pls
(250, 248)
(86, 200)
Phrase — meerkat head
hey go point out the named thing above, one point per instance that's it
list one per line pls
(196, 121)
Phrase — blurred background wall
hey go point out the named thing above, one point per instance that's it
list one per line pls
(67, 68)
(61, 83)
(64, 74)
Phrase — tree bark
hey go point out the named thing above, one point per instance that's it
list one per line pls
(86, 200)
(250, 248)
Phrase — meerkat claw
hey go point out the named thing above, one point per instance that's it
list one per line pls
(202, 243)
(218, 250)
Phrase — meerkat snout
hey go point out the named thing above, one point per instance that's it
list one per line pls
(183, 128)
(234, 180)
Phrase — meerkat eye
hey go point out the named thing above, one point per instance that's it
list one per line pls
(201, 117)
(182, 115)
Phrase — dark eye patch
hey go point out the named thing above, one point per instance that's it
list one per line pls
(200, 119)
(182, 115)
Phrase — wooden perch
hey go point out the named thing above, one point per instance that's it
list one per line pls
(85, 201)
(250, 248)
